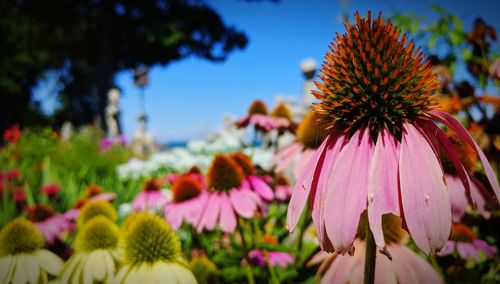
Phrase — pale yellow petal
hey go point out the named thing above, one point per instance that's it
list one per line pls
(87, 272)
(132, 277)
(44, 279)
(49, 262)
(70, 266)
(182, 274)
(96, 265)
(121, 275)
(110, 266)
(6, 266)
(32, 268)
(19, 274)
(163, 273)
(146, 274)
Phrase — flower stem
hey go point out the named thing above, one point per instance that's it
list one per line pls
(248, 268)
(270, 268)
(371, 254)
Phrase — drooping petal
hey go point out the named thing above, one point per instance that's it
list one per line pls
(458, 199)
(419, 269)
(261, 187)
(383, 188)
(227, 217)
(424, 196)
(476, 193)
(346, 190)
(449, 121)
(324, 166)
(243, 207)
(467, 250)
(174, 215)
(302, 188)
(210, 213)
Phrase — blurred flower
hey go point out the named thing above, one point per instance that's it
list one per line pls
(12, 134)
(261, 257)
(479, 37)
(466, 244)
(458, 197)
(405, 267)
(50, 190)
(95, 192)
(96, 255)
(381, 152)
(152, 253)
(259, 117)
(494, 69)
(107, 143)
(50, 224)
(283, 116)
(227, 199)
(96, 208)
(282, 189)
(252, 181)
(204, 270)
(151, 198)
(22, 256)
(189, 197)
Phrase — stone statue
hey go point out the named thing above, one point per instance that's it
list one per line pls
(143, 143)
(112, 113)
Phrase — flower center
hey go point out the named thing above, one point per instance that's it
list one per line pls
(311, 130)
(149, 239)
(20, 236)
(79, 203)
(269, 240)
(244, 162)
(372, 77)
(224, 174)
(283, 111)
(185, 188)
(98, 233)
(204, 270)
(96, 208)
(39, 213)
(93, 190)
(257, 107)
(194, 170)
(151, 185)
(462, 233)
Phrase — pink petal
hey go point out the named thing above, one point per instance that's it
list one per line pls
(384, 270)
(346, 190)
(227, 217)
(339, 270)
(383, 188)
(449, 121)
(302, 188)
(442, 139)
(194, 208)
(448, 248)
(302, 161)
(243, 207)
(324, 166)
(467, 250)
(174, 217)
(424, 196)
(476, 193)
(261, 187)
(458, 199)
(422, 270)
(210, 213)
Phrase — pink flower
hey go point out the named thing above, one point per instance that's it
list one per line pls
(50, 224)
(382, 153)
(458, 197)
(406, 267)
(282, 188)
(258, 117)
(189, 197)
(252, 181)
(50, 190)
(151, 198)
(465, 243)
(227, 199)
(276, 258)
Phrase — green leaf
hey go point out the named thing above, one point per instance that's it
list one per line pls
(282, 248)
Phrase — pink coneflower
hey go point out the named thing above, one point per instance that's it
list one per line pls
(459, 200)
(189, 197)
(276, 258)
(283, 118)
(227, 199)
(259, 117)
(466, 244)
(382, 150)
(50, 190)
(50, 224)
(310, 134)
(151, 198)
(93, 192)
(253, 181)
(194, 172)
(282, 189)
(406, 266)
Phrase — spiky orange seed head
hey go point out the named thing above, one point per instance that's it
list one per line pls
(283, 111)
(185, 188)
(40, 212)
(93, 190)
(244, 162)
(258, 107)
(462, 233)
(374, 77)
(311, 130)
(224, 174)
(151, 185)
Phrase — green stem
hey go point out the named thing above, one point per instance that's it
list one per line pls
(250, 277)
(371, 253)
(274, 276)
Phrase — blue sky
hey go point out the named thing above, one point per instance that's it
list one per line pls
(187, 99)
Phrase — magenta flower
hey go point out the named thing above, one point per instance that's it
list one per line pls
(276, 258)
(48, 223)
(406, 267)
(382, 152)
(282, 189)
(466, 244)
(50, 190)
(259, 117)
(252, 181)
(227, 199)
(151, 198)
(189, 197)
